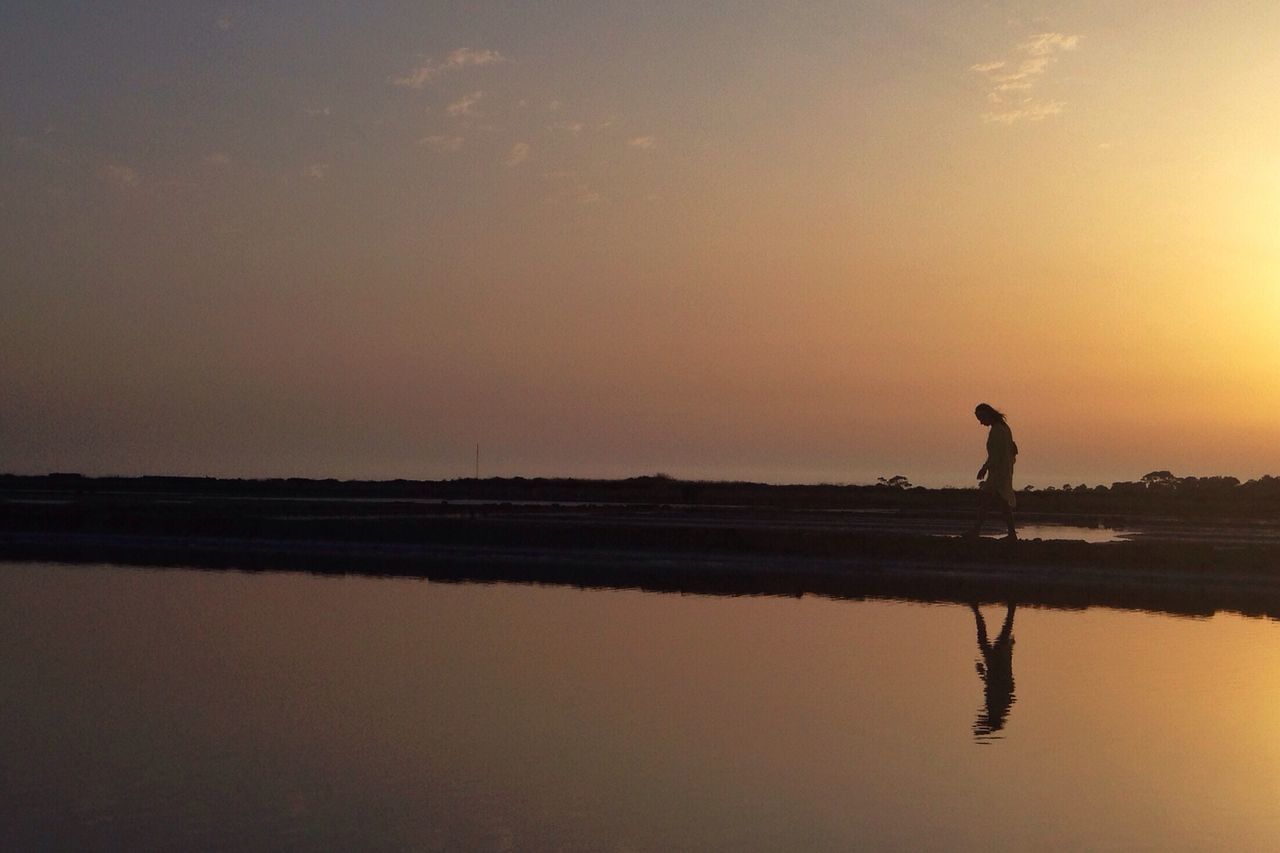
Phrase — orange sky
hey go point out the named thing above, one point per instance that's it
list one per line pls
(790, 242)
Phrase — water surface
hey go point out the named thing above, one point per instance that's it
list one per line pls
(218, 710)
(1073, 531)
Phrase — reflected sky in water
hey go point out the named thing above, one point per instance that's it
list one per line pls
(1061, 531)
(197, 710)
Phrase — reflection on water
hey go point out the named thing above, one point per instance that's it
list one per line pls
(1071, 531)
(996, 671)
(201, 710)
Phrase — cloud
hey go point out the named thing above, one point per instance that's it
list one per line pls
(1032, 111)
(464, 106)
(218, 159)
(1011, 83)
(315, 112)
(517, 155)
(317, 171)
(121, 175)
(1027, 69)
(463, 57)
(1045, 44)
(441, 143)
(641, 141)
(570, 127)
(226, 20)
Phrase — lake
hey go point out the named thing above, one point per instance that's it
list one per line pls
(182, 709)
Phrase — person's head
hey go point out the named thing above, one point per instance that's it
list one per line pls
(987, 414)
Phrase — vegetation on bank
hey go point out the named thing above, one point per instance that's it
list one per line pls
(1158, 493)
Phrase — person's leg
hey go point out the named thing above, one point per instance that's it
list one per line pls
(1007, 512)
(983, 500)
(984, 645)
(1006, 630)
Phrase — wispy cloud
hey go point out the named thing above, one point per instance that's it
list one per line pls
(317, 171)
(465, 106)
(226, 20)
(1012, 82)
(317, 112)
(517, 155)
(464, 57)
(441, 143)
(1046, 44)
(1034, 111)
(641, 141)
(217, 159)
(122, 176)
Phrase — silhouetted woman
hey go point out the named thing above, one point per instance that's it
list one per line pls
(997, 488)
(996, 669)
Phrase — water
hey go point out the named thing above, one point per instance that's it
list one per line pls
(1070, 531)
(144, 709)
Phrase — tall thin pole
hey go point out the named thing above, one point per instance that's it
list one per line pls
(477, 462)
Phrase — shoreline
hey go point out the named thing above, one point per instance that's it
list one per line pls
(869, 547)
(982, 571)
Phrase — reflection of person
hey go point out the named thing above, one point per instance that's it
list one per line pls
(996, 670)
(997, 488)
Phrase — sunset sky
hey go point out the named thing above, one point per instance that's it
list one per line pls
(789, 242)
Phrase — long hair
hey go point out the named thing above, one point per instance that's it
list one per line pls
(988, 409)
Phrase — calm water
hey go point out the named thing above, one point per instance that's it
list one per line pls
(1065, 531)
(190, 710)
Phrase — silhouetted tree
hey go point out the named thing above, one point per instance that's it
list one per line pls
(897, 481)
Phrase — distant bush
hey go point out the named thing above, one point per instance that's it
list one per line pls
(897, 481)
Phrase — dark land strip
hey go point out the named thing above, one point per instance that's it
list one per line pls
(874, 549)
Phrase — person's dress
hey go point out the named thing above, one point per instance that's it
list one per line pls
(1001, 453)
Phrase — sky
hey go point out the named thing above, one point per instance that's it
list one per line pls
(788, 242)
